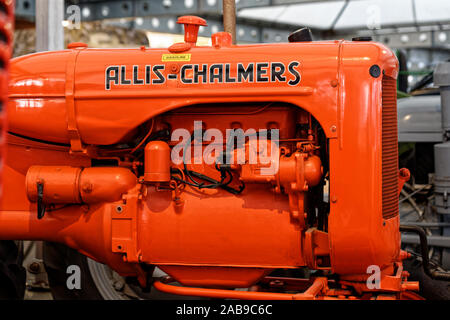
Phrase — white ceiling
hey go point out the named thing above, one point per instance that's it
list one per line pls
(358, 14)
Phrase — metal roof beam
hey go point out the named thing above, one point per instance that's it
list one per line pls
(437, 39)
(270, 3)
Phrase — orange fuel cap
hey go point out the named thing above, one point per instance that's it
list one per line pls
(191, 26)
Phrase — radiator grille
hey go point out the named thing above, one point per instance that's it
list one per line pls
(389, 148)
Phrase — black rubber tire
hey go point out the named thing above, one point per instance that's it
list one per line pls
(430, 289)
(12, 273)
(57, 257)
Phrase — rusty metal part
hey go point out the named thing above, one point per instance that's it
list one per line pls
(229, 18)
(157, 162)
(434, 274)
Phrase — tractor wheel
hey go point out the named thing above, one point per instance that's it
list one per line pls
(57, 258)
(98, 281)
(12, 273)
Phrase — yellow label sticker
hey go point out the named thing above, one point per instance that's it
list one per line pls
(176, 57)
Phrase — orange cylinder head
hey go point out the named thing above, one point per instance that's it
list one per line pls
(157, 162)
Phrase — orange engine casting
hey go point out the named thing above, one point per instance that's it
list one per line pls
(218, 165)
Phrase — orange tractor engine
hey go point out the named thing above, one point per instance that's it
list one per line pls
(219, 165)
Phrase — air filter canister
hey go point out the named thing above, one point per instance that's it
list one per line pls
(157, 162)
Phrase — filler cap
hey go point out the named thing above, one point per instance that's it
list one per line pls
(191, 26)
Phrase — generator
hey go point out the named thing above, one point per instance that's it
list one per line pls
(222, 165)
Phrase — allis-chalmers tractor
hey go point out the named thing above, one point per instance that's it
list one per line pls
(118, 153)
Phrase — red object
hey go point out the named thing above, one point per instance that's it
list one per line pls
(191, 26)
(221, 39)
(335, 129)
(74, 45)
(157, 162)
(6, 47)
(403, 176)
(179, 47)
(64, 184)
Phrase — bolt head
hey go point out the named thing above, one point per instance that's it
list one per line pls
(34, 267)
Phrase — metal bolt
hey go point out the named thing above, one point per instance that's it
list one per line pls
(276, 283)
(118, 285)
(174, 68)
(375, 71)
(87, 187)
(34, 267)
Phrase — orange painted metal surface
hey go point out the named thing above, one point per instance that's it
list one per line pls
(109, 114)
(63, 184)
(403, 176)
(157, 162)
(7, 34)
(318, 286)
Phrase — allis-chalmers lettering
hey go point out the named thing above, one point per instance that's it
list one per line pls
(260, 72)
